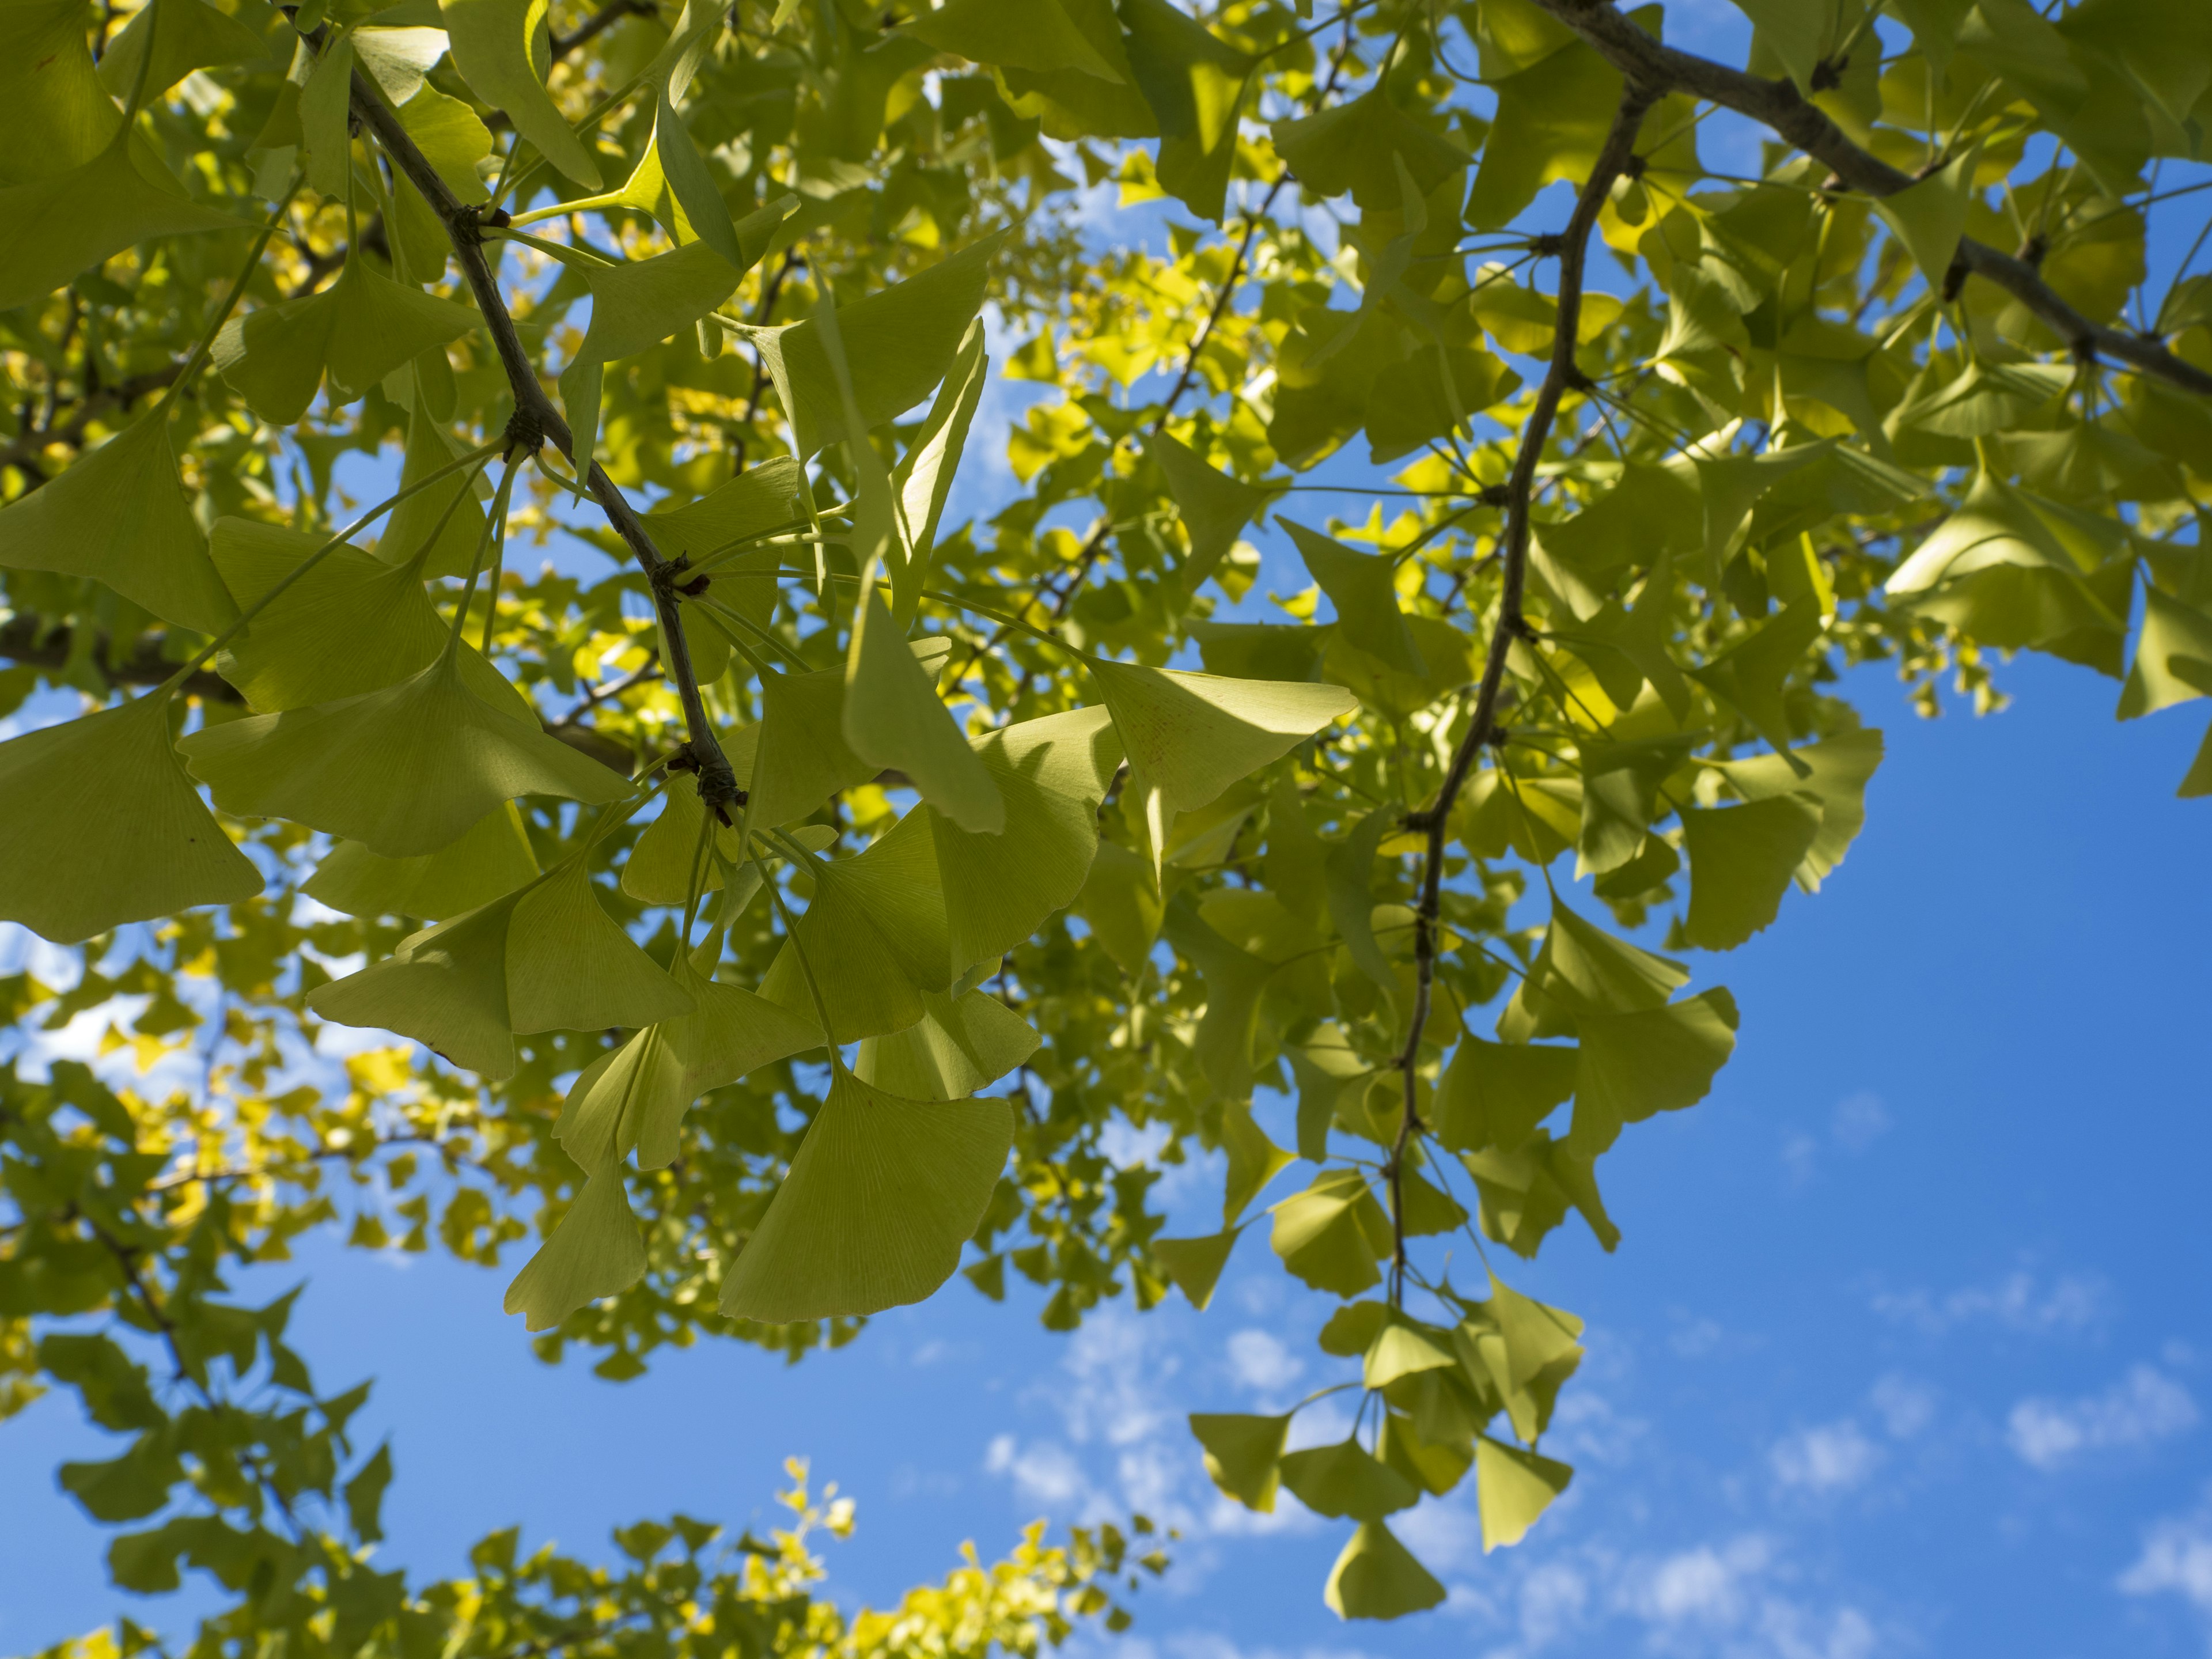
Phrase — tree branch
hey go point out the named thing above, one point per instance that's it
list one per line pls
(598, 24)
(1562, 374)
(537, 421)
(1778, 105)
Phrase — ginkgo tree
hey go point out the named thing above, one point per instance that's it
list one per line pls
(772, 904)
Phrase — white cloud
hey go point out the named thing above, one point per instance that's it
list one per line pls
(1261, 1363)
(1829, 1458)
(1859, 1122)
(1905, 1406)
(1702, 1586)
(1044, 1473)
(2176, 1560)
(2019, 1302)
(2144, 1406)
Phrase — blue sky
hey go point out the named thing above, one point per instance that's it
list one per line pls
(1905, 1351)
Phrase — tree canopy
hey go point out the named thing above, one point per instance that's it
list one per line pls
(776, 901)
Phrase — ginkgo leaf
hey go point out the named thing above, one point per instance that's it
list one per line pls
(1350, 871)
(1195, 83)
(898, 341)
(1331, 1234)
(1254, 1159)
(668, 857)
(759, 502)
(67, 222)
(489, 861)
(450, 137)
(874, 938)
(55, 114)
(923, 477)
(445, 986)
(640, 303)
(1930, 215)
(595, 1251)
(1194, 1265)
(1729, 486)
(1344, 1481)
(1030, 34)
(570, 967)
(326, 121)
(447, 511)
(698, 199)
(2174, 656)
(1997, 570)
(190, 35)
(1243, 1454)
(1235, 980)
(1377, 1578)
(1362, 587)
(1795, 33)
(1188, 737)
(1751, 675)
(893, 718)
(406, 770)
(356, 330)
(1659, 1060)
(1834, 771)
(1435, 1465)
(958, 1046)
(1358, 147)
(1559, 110)
(1121, 902)
(119, 515)
(398, 59)
(800, 759)
(634, 1097)
(1215, 508)
(351, 624)
(100, 825)
(1584, 971)
(502, 49)
(648, 189)
(1000, 889)
(1403, 1348)
(1495, 1094)
(1513, 1487)
(1742, 860)
(881, 1196)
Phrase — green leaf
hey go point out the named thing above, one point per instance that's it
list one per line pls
(1362, 589)
(1349, 875)
(1496, 1094)
(635, 1098)
(1729, 486)
(351, 624)
(1030, 34)
(1120, 901)
(1195, 84)
(1194, 1265)
(358, 330)
(923, 477)
(1254, 1159)
(489, 861)
(1331, 1235)
(570, 967)
(1581, 971)
(192, 36)
(800, 758)
(125, 1488)
(1243, 1454)
(1741, 860)
(659, 868)
(893, 719)
(339, 766)
(1188, 737)
(364, 1497)
(1235, 979)
(1557, 111)
(71, 221)
(450, 137)
(1750, 675)
(55, 113)
(900, 342)
(1834, 771)
(1358, 147)
(501, 49)
(2173, 657)
(1796, 34)
(1377, 1578)
(99, 825)
(1215, 508)
(1403, 1348)
(445, 986)
(1344, 1481)
(594, 1252)
(1513, 1487)
(1050, 775)
(424, 514)
(1930, 216)
(874, 936)
(326, 121)
(960, 1045)
(880, 1198)
(1661, 1059)
(1078, 102)
(111, 1386)
(119, 516)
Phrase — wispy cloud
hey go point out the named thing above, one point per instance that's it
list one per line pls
(2022, 1302)
(2143, 1407)
(1833, 1457)
(2176, 1560)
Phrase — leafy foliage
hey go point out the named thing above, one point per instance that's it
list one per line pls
(763, 848)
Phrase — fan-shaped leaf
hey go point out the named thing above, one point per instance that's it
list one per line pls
(881, 1196)
(501, 49)
(1361, 585)
(1377, 1578)
(1243, 1454)
(1344, 1481)
(1741, 860)
(595, 1251)
(1194, 1265)
(491, 860)
(69, 221)
(961, 1044)
(357, 330)
(893, 718)
(99, 825)
(1513, 1487)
